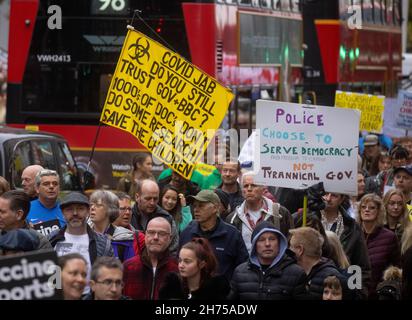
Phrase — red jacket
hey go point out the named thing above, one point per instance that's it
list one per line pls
(139, 281)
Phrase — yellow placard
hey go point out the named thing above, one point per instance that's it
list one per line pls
(410, 211)
(370, 106)
(165, 102)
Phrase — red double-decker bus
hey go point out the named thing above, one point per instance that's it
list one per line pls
(352, 45)
(58, 78)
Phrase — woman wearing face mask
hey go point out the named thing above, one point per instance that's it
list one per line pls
(175, 203)
(74, 275)
(396, 212)
(197, 278)
(382, 244)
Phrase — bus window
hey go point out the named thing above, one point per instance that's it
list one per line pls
(344, 9)
(367, 10)
(389, 12)
(295, 5)
(397, 19)
(383, 11)
(255, 3)
(265, 4)
(245, 2)
(285, 5)
(276, 4)
(377, 11)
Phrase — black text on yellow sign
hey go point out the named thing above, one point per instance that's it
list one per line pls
(370, 106)
(165, 102)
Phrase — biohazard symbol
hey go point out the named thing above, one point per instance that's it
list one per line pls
(139, 51)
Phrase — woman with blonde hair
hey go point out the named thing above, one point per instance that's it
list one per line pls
(337, 254)
(396, 212)
(4, 185)
(382, 244)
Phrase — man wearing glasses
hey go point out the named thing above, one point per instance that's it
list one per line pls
(144, 274)
(106, 280)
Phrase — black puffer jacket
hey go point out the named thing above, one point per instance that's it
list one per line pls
(284, 281)
(318, 274)
(215, 288)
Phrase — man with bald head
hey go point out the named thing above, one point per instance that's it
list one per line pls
(146, 207)
(144, 274)
(28, 180)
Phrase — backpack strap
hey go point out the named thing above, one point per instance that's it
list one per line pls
(136, 233)
(120, 252)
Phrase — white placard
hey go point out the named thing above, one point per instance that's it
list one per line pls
(403, 110)
(299, 145)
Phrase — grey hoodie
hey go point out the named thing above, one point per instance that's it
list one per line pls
(122, 234)
(259, 230)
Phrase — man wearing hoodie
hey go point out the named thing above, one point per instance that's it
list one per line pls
(257, 208)
(271, 273)
(307, 243)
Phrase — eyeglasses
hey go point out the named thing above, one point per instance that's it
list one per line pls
(125, 208)
(247, 186)
(109, 282)
(99, 205)
(370, 208)
(161, 234)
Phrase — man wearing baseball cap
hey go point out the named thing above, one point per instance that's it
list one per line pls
(226, 240)
(371, 153)
(403, 181)
(77, 236)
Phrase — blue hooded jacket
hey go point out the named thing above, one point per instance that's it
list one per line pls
(261, 228)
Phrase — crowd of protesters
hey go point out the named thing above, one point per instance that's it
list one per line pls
(223, 236)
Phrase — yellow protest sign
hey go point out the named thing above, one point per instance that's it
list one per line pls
(165, 102)
(409, 207)
(370, 106)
